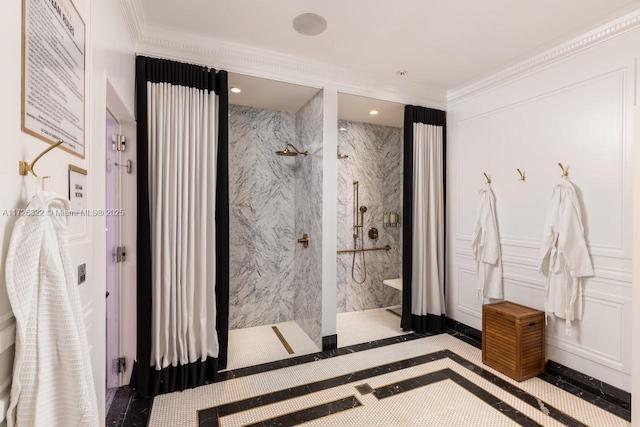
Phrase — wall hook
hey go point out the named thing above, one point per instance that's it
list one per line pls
(565, 172)
(487, 176)
(25, 168)
(522, 176)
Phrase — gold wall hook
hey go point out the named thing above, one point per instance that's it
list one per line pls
(565, 172)
(24, 168)
(522, 177)
(487, 176)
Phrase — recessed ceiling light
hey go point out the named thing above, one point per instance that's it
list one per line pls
(309, 24)
(373, 112)
(235, 90)
(402, 72)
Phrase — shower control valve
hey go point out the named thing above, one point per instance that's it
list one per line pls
(373, 233)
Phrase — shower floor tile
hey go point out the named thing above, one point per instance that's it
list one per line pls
(357, 327)
(260, 344)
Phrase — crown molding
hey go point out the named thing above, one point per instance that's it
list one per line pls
(167, 43)
(559, 52)
(134, 18)
(233, 57)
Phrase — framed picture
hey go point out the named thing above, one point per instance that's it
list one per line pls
(53, 73)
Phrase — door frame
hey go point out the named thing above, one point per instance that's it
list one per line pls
(127, 270)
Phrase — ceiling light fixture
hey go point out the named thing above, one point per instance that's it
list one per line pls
(373, 112)
(343, 129)
(402, 72)
(309, 24)
(235, 90)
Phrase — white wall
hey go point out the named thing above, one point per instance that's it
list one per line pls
(635, 390)
(578, 111)
(109, 55)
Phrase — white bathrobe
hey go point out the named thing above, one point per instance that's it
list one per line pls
(52, 380)
(486, 247)
(564, 257)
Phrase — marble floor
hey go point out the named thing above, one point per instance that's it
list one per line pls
(406, 380)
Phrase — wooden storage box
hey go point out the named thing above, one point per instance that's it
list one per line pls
(513, 339)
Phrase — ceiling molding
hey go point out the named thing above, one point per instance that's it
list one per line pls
(161, 42)
(585, 41)
(273, 65)
(133, 18)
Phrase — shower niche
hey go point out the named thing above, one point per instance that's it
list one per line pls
(370, 173)
(275, 200)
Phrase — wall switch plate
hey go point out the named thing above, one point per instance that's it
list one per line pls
(82, 273)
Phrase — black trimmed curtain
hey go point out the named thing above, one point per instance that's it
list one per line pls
(423, 299)
(182, 226)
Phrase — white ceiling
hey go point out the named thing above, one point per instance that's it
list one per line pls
(442, 44)
(356, 108)
(269, 94)
(274, 95)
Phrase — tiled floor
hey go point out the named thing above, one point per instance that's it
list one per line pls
(448, 387)
(353, 328)
(260, 344)
(356, 327)
(432, 381)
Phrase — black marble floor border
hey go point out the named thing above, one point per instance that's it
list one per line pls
(599, 393)
(456, 329)
(128, 411)
(209, 417)
(310, 414)
(448, 374)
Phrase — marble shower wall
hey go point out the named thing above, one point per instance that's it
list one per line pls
(307, 304)
(375, 160)
(261, 217)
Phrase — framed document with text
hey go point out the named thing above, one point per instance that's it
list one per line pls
(53, 73)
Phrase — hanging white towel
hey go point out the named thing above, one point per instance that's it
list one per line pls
(564, 257)
(52, 379)
(486, 247)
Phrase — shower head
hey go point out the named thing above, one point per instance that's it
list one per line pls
(287, 152)
(363, 209)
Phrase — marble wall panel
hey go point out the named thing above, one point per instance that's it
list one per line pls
(375, 161)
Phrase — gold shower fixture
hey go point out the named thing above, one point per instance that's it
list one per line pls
(287, 152)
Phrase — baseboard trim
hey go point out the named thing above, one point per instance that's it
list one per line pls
(330, 342)
(557, 370)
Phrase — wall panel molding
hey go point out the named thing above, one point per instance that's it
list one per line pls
(5, 394)
(7, 337)
(472, 311)
(619, 250)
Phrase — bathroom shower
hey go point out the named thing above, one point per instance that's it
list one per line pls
(287, 152)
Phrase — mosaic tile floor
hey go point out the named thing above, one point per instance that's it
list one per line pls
(432, 381)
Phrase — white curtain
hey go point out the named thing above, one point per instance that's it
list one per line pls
(182, 189)
(427, 278)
